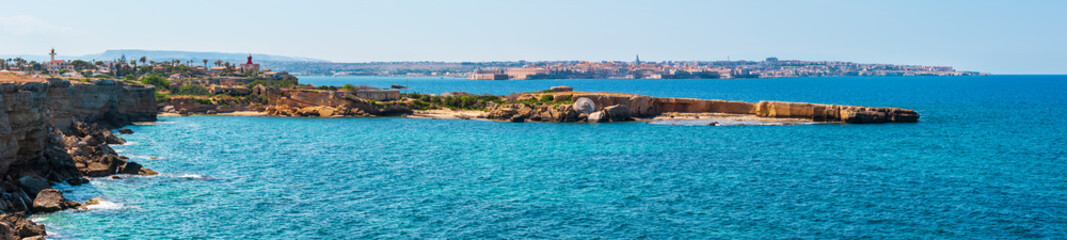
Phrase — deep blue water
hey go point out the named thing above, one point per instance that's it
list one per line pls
(988, 159)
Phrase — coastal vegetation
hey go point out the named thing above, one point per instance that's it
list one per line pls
(194, 90)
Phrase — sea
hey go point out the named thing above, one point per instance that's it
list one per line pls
(987, 160)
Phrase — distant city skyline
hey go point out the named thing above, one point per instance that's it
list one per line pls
(1000, 37)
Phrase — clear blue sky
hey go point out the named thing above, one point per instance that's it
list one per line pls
(992, 36)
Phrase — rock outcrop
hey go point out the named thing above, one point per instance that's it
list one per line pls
(16, 226)
(58, 131)
(327, 103)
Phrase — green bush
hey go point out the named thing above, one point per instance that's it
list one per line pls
(348, 87)
(202, 101)
(156, 80)
(546, 98)
(193, 89)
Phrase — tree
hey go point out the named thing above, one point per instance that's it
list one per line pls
(205, 64)
(143, 59)
(81, 65)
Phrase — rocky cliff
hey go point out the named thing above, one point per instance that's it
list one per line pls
(58, 131)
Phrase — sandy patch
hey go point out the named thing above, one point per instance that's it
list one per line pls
(448, 114)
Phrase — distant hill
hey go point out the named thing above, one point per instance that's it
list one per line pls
(185, 55)
(159, 55)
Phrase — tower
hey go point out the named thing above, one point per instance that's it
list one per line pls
(249, 59)
(638, 59)
(53, 54)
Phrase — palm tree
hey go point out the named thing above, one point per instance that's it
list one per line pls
(143, 59)
(205, 63)
(218, 63)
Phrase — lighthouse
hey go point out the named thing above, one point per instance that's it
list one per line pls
(249, 66)
(53, 54)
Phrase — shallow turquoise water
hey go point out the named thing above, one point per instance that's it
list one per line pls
(988, 159)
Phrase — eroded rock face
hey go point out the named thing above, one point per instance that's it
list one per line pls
(830, 112)
(518, 112)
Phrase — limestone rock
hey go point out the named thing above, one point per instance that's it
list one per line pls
(125, 131)
(598, 117)
(584, 105)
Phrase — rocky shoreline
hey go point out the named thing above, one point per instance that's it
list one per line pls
(559, 104)
(54, 131)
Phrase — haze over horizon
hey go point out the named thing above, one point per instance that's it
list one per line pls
(996, 37)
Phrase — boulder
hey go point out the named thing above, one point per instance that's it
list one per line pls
(134, 168)
(618, 113)
(598, 117)
(33, 183)
(584, 105)
(51, 200)
(77, 180)
(125, 131)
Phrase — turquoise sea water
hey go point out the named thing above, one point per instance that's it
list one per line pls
(988, 159)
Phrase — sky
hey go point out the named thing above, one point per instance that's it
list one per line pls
(1002, 37)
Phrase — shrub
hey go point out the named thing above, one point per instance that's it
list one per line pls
(194, 89)
(156, 80)
(202, 101)
(348, 87)
(546, 98)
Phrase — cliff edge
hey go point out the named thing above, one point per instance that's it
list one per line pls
(58, 131)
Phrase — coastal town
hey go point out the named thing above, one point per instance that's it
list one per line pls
(769, 68)
(225, 73)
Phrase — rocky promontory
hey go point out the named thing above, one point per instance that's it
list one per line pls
(58, 131)
(546, 106)
(558, 104)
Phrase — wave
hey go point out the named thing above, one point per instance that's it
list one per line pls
(142, 157)
(105, 205)
(195, 176)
